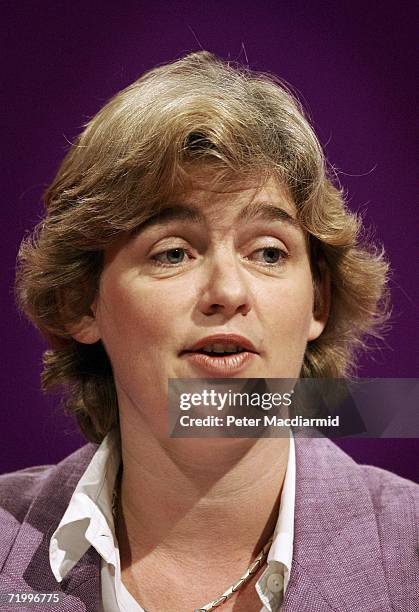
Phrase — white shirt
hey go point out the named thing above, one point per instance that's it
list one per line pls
(88, 521)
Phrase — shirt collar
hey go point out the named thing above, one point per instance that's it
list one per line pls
(88, 519)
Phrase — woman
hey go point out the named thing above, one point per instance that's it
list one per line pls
(192, 232)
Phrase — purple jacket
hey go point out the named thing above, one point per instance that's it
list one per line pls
(355, 541)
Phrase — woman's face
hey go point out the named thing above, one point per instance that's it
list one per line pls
(219, 271)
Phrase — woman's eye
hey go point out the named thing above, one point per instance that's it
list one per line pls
(270, 255)
(170, 256)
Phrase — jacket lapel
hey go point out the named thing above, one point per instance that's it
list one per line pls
(27, 568)
(337, 561)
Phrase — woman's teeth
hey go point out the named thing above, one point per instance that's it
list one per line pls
(222, 348)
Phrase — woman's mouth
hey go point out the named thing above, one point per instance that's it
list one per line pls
(221, 354)
(219, 362)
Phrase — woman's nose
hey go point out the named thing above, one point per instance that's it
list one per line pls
(224, 287)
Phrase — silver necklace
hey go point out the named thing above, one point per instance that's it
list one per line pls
(251, 570)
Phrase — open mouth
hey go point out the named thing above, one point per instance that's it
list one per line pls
(220, 350)
(220, 358)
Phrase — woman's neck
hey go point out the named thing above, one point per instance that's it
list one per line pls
(194, 499)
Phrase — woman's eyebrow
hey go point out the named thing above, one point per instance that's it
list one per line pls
(267, 212)
(175, 212)
(252, 212)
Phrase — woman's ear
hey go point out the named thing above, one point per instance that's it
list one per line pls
(86, 330)
(322, 300)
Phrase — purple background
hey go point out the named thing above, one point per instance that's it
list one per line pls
(351, 63)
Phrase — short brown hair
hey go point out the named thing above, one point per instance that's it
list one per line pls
(135, 153)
